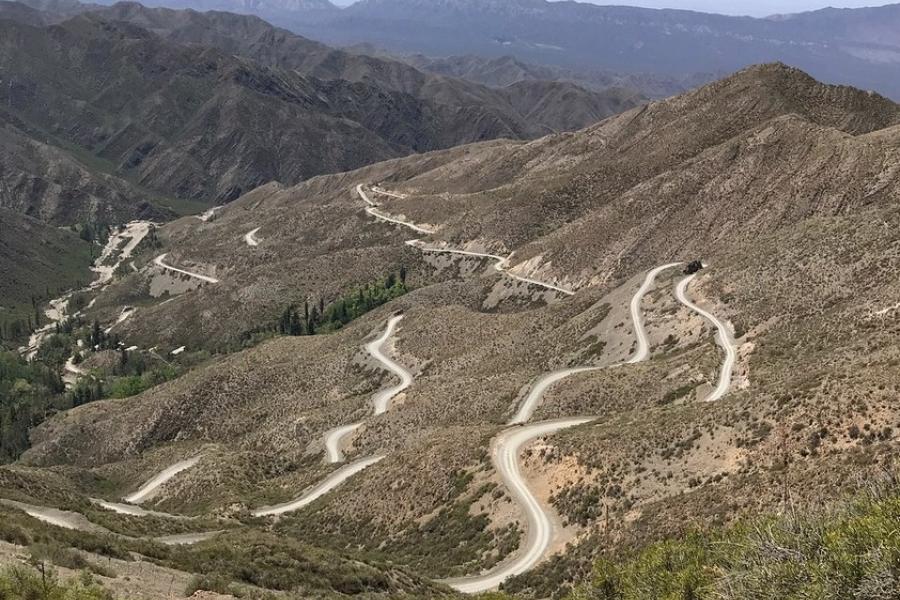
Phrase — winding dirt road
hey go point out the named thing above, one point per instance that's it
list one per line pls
(322, 488)
(59, 518)
(159, 261)
(334, 453)
(384, 192)
(540, 530)
(132, 510)
(507, 447)
(78, 522)
(334, 441)
(501, 264)
(642, 352)
(724, 338)
(150, 488)
(186, 539)
(372, 209)
(381, 401)
(540, 387)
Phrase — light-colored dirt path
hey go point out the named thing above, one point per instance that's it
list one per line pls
(159, 261)
(149, 489)
(322, 488)
(724, 337)
(250, 238)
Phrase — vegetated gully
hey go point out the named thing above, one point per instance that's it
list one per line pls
(134, 233)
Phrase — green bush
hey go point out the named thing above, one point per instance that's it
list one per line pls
(850, 552)
(213, 582)
(68, 558)
(22, 583)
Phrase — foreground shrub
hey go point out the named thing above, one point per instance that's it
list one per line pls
(23, 583)
(851, 552)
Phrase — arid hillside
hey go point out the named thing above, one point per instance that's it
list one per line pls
(765, 383)
(692, 176)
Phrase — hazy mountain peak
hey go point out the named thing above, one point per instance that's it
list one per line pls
(454, 6)
(285, 5)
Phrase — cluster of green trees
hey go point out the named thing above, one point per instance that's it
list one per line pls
(28, 392)
(16, 329)
(20, 326)
(32, 391)
(23, 325)
(87, 389)
(313, 319)
(133, 375)
(96, 233)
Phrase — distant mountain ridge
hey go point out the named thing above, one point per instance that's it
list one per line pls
(507, 70)
(859, 47)
(206, 106)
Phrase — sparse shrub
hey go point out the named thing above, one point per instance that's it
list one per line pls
(24, 583)
(851, 552)
(211, 582)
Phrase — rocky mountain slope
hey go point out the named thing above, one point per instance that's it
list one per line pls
(34, 259)
(786, 188)
(132, 113)
(536, 104)
(507, 70)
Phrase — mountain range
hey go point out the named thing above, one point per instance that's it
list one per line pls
(127, 111)
(859, 47)
(284, 320)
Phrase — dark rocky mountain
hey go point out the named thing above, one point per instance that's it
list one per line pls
(538, 100)
(203, 107)
(858, 47)
(265, 8)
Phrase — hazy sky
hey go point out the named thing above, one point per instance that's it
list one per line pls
(756, 8)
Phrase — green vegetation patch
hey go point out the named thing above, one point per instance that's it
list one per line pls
(849, 552)
(28, 393)
(323, 319)
(41, 583)
(315, 318)
(37, 263)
